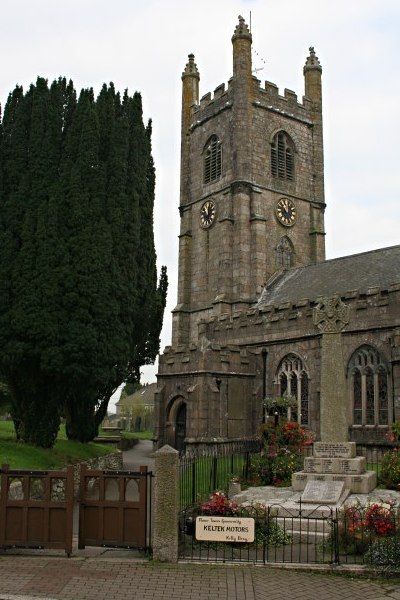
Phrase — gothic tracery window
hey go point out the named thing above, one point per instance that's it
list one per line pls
(368, 387)
(293, 381)
(212, 158)
(284, 253)
(282, 156)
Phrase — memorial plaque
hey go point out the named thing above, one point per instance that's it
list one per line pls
(328, 465)
(225, 529)
(334, 450)
(322, 492)
(312, 465)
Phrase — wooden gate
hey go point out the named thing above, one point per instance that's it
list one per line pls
(36, 509)
(115, 508)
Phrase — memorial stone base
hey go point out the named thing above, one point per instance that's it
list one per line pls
(333, 470)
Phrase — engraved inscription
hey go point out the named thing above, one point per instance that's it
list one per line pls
(335, 450)
(323, 492)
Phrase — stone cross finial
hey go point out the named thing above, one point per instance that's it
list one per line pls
(191, 67)
(312, 61)
(331, 315)
(242, 29)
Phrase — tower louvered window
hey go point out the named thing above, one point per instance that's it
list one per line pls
(368, 387)
(212, 160)
(282, 157)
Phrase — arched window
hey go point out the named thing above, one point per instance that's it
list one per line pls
(368, 387)
(293, 381)
(284, 253)
(282, 156)
(212, 160)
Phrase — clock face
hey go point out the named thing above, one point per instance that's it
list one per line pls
(285, 211)
(207, 214)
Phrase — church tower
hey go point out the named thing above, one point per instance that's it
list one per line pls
(252, 187)
(251, 206)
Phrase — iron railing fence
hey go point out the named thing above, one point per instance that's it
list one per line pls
(322, 535)
(374, 455)
(209, 469)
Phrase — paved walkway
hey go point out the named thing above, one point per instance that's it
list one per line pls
(107, 574)
(33, 577)
(141, 455)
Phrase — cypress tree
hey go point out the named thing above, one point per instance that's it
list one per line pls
(80, 307)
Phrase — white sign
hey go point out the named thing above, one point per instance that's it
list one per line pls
(224, 529)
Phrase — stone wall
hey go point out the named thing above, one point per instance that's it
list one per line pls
(229, 350)
(110, 462)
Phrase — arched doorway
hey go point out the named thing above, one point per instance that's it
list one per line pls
(180, 428)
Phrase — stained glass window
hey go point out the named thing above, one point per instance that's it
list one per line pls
(293, 380)
(369, 386)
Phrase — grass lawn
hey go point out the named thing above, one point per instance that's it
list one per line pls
(206, 474)
(137, 435)
(64, 452)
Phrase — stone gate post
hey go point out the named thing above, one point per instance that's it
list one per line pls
(166, 505)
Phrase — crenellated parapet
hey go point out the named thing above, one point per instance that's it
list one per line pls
(267, 98)
(269, 321)
(219, 358)
(211, 105)
(287, 105)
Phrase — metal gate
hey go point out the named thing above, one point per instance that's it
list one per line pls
(36, 508)
(115, 508)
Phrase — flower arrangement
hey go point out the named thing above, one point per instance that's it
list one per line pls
(219, 504)
(379, 518)
(394, 433)
(390, 467)
(282, 454)
(363, 524)
(280, 403)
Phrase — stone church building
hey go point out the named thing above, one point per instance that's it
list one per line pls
(256, 297)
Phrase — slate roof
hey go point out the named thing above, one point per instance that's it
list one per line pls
(358, 272)
(145, 395)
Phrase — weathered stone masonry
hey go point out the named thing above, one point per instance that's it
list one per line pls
(236, 300)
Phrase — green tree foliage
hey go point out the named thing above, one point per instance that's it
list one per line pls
(5, 399)
(80, 307)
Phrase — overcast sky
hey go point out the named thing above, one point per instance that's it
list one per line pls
(143, 45)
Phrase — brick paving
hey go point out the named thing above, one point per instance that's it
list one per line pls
(97, 578)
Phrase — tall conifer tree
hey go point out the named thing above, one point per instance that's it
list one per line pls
(80, 309)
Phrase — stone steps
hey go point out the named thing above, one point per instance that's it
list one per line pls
(305, 530)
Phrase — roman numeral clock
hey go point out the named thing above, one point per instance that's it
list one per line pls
(207, 214)
(285, 212)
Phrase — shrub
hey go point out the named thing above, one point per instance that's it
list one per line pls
(275, 468)
(384, 554)
(282, 454)
(267, 531)
(390, 469)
